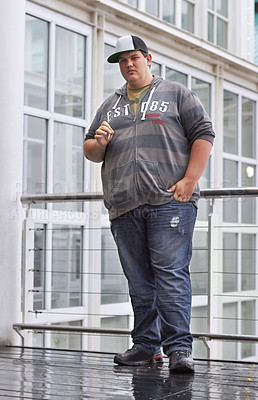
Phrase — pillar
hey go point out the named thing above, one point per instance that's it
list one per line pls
(12, 27)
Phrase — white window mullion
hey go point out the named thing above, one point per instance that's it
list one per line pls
(214, 28)
(239, 165)
(239, 124)
(51, 71)
(163, 71)
(141, 5)
(50, 158)
(51, 96)
(178, 11)
(189, 81)
(88, 78)
(25, 154)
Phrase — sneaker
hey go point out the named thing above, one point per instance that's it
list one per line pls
(137, 356)
(181, 361)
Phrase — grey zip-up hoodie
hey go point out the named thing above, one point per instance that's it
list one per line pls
(149, 152)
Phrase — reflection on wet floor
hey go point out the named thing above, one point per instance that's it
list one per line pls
(69, 375)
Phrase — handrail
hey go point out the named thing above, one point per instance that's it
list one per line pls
(204, 193)
(55, 198)
(81, 329)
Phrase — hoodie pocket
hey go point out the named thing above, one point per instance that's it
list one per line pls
(118, 186)
(149, 178)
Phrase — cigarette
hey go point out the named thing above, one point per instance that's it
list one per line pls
(110, 134)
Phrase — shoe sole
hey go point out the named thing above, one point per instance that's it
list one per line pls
(154, 360)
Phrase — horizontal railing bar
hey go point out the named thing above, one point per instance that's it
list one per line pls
(229, 192)
(205, 193)
(55, 198)
(82, 329)
(79, 329)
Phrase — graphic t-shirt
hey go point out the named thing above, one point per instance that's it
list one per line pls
(136, 95)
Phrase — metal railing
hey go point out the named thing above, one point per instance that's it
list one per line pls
(211, 194)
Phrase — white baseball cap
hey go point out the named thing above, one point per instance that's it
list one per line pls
(127, 43)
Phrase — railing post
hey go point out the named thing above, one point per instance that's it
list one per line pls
(210, 267)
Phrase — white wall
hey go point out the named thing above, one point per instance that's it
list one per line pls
(11, 147)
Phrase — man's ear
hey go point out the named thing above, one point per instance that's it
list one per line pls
(149, 58)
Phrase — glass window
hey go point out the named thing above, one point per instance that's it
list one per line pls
(114, 343)
(248, 262)
(39, 267)
(222, 7)
(187, 16)
(152, 7)
(113, 282)
(222, 33)
(112, 76)
(218, 22)
(230, 328)
(199, 263)
(204, 204)
(69, 73)
(230, 210)
(230, 262)
(176, 76)
(168, 7)
(68, 165)
(230, 123)
(69, 60)
(36, 63)
(210, 28)
(211, 4)
(248, 128)
(34, 155)
(248, 203)
(66, 266)
(234, 133)
(64, 340)
(247, 327)
(155, 68)
(202, 90)
(199, 324)
(133, 3)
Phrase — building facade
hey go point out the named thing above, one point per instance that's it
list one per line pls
(54, 76)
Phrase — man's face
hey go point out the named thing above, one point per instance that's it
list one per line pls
(135, 68)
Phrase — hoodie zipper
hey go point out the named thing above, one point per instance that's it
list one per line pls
(137, 186)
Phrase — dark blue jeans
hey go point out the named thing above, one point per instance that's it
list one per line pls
(155, 248)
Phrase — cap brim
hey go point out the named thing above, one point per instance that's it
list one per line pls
(114, 57)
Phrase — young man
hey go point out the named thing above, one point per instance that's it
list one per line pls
(154, 139)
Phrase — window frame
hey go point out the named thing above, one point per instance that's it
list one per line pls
(55, 19)
(215, 17)
(49, 216)
(238, 158)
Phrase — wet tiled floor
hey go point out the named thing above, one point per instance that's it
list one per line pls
(69, 375)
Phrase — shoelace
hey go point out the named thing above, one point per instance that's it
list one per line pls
(182, 353)
(132, 349)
